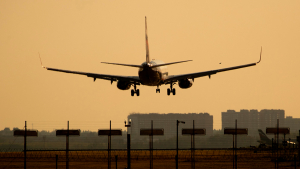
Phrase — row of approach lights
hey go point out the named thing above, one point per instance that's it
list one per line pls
(154, 131)
(150, 132)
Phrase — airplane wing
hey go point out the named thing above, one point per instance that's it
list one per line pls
(132, 79)
(174, 78)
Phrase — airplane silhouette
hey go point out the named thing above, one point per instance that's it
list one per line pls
(152, 73)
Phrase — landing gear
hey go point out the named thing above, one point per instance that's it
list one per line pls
(171, 90)
(158, 90)
(133, 91)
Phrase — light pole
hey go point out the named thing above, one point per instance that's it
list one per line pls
(128, 144)
(177, 123)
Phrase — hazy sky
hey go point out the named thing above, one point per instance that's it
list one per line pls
(78, 35)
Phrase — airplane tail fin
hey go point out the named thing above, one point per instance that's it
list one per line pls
(263, 137)
(147, 44)
(147, 55)
(147, 50)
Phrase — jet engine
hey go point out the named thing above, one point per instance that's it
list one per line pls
(185, 83)
(123, 85)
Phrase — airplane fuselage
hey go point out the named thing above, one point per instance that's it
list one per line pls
(152, 76)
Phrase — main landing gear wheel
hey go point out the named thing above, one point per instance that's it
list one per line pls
(171, 90)
(133, 91)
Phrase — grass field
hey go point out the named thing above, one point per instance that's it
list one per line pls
(214, 158)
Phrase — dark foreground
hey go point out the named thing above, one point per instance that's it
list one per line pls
(213, 158)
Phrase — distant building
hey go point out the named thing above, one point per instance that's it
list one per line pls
(168, 123)
(6, 132)
(293, 124)
(253, 120)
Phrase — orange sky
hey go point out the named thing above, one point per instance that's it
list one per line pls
(78, 35)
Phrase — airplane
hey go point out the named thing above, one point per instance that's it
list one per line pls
(152, 73)
(265, 141)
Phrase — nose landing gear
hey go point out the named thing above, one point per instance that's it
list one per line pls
(158, 90)
(133, 91)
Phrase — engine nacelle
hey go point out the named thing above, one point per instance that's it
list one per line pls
(123, 85)
(185, 83)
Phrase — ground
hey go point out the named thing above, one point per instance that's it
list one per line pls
(214, 158)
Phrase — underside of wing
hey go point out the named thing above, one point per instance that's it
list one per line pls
(174, 78)
(131, 79)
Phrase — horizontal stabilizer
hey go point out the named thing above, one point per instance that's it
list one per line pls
(139, 66)
(165, 64)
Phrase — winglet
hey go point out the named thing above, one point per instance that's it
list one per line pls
(260, 55)
(41, 61)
